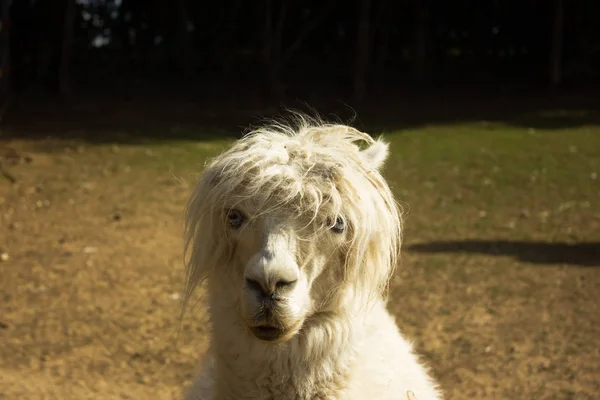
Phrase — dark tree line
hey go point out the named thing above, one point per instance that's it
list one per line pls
(362, 45)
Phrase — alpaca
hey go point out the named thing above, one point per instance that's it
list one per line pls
(296, 234)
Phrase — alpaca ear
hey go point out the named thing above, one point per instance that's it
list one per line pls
(376, 154)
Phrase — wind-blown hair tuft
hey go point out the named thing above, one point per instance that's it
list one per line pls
(313, 170)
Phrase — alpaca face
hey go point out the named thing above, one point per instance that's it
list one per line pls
(289, 222)
(287, 266)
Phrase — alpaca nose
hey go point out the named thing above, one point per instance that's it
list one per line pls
(272, 273)
(270, 289)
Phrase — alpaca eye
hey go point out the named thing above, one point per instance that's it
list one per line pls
(235, 218)
(339, 225)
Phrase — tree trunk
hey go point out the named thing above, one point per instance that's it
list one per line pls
(274, 56)
(421, 49)
(64, 83)
(271, 50)
(382, 52)
(583, 34)
(557, 44)
(4, 52)
(184, 52)
(225, 49)
(276, 65)
(363, 36)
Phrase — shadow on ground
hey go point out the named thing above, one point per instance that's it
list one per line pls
(582, 254)
(161, 116)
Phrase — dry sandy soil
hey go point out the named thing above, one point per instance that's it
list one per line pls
(499, 285)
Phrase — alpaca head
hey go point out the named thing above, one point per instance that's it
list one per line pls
(289, 223)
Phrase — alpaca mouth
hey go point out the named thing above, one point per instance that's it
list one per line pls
(267, 333)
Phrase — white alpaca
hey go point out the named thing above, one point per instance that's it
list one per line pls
(297, 234)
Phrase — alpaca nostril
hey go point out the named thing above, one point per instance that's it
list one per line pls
(270, 290)
(283, 284)
(255, 286)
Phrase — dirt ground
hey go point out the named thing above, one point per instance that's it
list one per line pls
(90, 289)
(91, 270)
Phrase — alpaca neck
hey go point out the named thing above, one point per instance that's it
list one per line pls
(312, 364)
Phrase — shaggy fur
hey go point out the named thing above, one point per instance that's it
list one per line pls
(297, 234)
